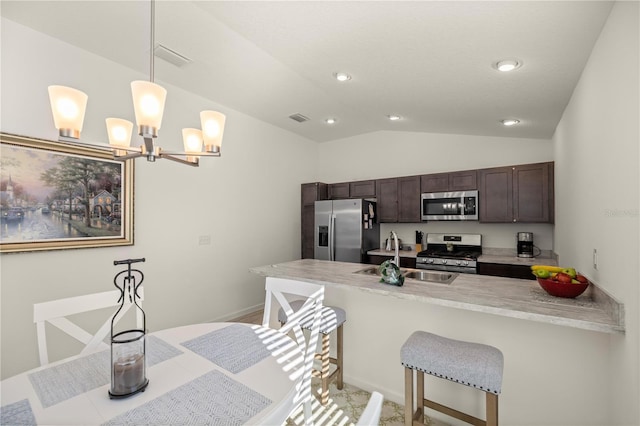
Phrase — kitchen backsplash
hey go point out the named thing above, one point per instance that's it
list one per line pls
(494, 235)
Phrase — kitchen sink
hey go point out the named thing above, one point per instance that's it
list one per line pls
(375, 270)
(431, 276)
(428, 276)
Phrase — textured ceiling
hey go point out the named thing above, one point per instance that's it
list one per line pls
(427, 61)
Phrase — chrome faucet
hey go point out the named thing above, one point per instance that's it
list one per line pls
(396, 257)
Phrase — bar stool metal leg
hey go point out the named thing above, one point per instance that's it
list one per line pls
(338, 361)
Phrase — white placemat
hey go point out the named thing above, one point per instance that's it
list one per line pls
(211, 399)
(61, 382)
(18, 413)
(234, 348)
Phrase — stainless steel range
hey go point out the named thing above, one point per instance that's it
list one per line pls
(451, 252)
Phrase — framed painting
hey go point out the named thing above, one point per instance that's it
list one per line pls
(56, 195)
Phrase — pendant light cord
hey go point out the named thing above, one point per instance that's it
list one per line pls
(152, 38)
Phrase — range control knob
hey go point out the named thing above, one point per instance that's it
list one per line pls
(444, 261)
(457, 262)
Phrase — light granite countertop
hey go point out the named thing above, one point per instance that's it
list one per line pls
(594, 310)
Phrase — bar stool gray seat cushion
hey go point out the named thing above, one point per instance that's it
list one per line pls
(332, 317)
(471, 364)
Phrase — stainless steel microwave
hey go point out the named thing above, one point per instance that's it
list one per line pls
(461, 205)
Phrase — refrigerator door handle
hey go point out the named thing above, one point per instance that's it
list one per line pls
(332, 219)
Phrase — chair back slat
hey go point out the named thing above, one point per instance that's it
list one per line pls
(309, 314)
(55, 312)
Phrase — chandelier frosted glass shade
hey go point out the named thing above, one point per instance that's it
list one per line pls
(68, 106)
(148, 103)
(119, 132)
(212, 123)
(192, 139)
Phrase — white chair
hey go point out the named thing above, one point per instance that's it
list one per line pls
(55, 312)
(371, 414)
(308, 315)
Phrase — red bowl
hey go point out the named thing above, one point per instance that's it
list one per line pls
(559, 289)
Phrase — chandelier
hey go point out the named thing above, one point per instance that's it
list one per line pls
(68, 106)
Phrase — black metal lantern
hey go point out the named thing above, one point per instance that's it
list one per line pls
(128, 362)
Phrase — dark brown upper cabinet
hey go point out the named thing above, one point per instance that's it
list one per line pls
(446, 182)
(409, 199)
(362, 189)
(522, 193)
(387, 196)
(338, 191)
(398, 199)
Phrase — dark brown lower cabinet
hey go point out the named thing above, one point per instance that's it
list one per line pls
(405, 262)
(503, 270)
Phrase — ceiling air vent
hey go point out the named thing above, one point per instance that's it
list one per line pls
(299, 117)
(171, 56)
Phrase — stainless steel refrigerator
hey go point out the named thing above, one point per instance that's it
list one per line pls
(345, 230)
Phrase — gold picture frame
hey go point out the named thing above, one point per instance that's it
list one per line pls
(57, 195)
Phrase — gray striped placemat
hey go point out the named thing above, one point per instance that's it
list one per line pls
(18, 413)
(234, 348)
(61, 382)
(211, 399)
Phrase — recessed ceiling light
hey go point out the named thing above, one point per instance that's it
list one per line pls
(330, 121)
(510, 122)
(342, 76)
(507, 65)
(394, 117)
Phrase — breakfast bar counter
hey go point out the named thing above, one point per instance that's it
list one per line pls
(594, 310)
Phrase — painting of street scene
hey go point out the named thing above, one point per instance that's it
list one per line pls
(60, 198)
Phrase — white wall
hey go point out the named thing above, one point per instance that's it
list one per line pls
(248, 201)
(597, 190)
(390, 154)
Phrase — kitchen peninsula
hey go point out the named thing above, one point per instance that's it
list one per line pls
(508, 297)
(547, 342)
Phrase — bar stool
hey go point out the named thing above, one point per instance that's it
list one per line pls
(471, 364)
(333, 318)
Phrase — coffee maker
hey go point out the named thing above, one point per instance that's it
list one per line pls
(525, 244)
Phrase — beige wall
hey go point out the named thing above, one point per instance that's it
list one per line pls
(248, 201)
(597, 190)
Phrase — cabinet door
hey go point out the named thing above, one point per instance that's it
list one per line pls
(463, 181)
(308, 217)
(409, 199)
(310, 193)
(445, 182)
(405, 262)
(362, 189)
(438, 182)
(338, 191)
(387, 196)
(502, 270)
(531, 193)
(495, 194)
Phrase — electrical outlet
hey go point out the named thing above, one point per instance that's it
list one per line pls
(204, 240)
(595, 259)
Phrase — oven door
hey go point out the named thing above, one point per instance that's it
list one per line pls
(450, 205)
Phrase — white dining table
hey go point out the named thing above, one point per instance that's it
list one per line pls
(210, 373)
